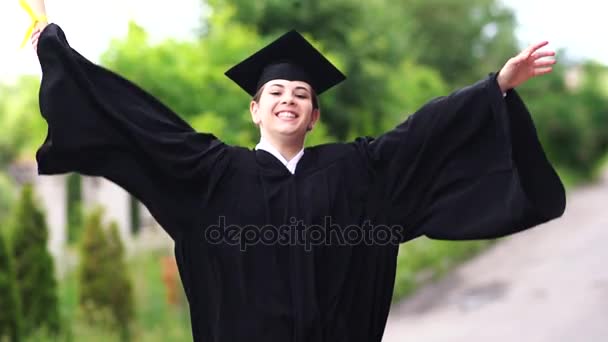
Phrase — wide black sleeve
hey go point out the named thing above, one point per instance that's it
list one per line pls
(101, 124)
(466, 166)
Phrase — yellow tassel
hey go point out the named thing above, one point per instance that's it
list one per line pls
(35, 20)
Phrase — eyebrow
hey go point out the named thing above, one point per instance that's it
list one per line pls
(282, 86)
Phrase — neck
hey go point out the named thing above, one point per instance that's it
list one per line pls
(287, 148)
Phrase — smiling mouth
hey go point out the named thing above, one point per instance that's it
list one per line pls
(287, 115)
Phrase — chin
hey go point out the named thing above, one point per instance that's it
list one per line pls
(287, 129)
(291, 133)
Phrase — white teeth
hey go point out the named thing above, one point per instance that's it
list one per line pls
(286, 115)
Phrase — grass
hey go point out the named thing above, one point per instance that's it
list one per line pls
(424, 260)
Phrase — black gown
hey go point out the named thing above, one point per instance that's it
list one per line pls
(465, 166)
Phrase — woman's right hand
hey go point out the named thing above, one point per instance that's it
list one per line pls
(36, 36)
(36, 9)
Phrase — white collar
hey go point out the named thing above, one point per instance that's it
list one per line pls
(264, 145)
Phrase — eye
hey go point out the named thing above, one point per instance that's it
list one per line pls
(275, 92)
(302, 96)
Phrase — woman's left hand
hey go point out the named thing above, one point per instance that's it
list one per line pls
(527, 64)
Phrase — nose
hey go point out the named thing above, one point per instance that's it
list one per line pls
(287, 98)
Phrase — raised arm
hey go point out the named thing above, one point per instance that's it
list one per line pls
(529, 63)
(101, 124)
(469, 165)
(36, 9)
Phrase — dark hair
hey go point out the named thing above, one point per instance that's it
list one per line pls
(315, 98)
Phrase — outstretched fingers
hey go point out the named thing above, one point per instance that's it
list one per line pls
(544, 63)
(533, 48)
(35, 37)
(542, 71)
(542, 54)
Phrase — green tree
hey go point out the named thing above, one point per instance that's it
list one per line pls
(571, 120)
(106, 294)
(122, 301)
(594, 94)
(188, 77)
(93, 262)
(22, 128)
(463, 41)
(10, 310)
(34, 269)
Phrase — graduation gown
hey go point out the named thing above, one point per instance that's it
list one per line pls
(465, 166)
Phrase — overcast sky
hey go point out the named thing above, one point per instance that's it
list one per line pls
(90, 25)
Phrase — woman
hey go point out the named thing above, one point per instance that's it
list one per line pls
(282, 243)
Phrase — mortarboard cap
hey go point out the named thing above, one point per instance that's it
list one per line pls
(290, 57)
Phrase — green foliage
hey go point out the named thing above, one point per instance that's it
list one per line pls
(189, 77)
(93, 263)
(7, 196)
(10, 309)
(397, 56)
(424, 260)
(318, 135)
(372, 40)
(34, 269)
(122, 302)
(407, 94)
(106, 294)
(463, 40)
(22, 128)
(155, 320)
(572, 121)
(74, 206)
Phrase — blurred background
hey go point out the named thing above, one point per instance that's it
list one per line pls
(80, 259)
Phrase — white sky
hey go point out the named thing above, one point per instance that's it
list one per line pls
(89, 25)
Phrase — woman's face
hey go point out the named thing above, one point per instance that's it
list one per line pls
(284, 109)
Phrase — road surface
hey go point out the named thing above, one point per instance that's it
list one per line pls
(548, 284)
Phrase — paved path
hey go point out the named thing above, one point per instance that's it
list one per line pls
(548, 284)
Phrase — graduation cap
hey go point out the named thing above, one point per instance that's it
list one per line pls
(290, 57)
